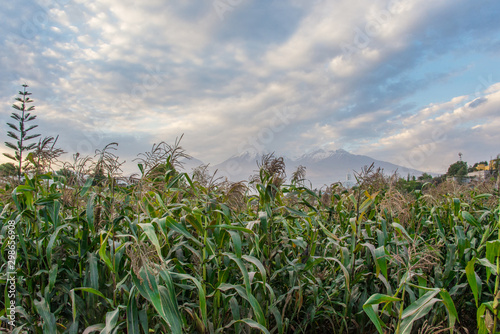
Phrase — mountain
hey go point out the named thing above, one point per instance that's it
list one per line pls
(189, 164)
(326, 167)
(322, 166)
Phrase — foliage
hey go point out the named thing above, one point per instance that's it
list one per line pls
(19, 132)
(8, 169)
(458, 168)
(425, 177)
(408, 186)
(178, 254)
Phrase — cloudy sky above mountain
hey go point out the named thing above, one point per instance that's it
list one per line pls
(412, 82)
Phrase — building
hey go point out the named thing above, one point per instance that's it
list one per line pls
(482, 167)
(493, 165)
(481, 174)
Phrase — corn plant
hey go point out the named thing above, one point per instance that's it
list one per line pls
(488, 257)
(22, 128)
(174, 253)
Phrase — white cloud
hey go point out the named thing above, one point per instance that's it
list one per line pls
(432, 143)
(155, 70)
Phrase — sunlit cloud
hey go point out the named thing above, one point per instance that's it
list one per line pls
(381, 78)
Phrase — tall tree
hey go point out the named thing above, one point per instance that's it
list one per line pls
(20, 130)
(459, 168)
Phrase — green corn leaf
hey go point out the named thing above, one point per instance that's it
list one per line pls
(258, 264)
(195, 223)
(169, 301)
(103, 255)
(381, 256)
(492, 252)
(263, 222)
(450, 307)
(401, 230)
(49, 320)
(277, 316)
(326, 231)
(52, 240)
(95, 292)
(132, 314)
(23, 189)
(344, 271)
(470, 219)
(461, 240)
(471, 278)
(111, 321)
(299, 242)
(201, 293)
(371, 248)
(481, 196)
(407, 323)
(456, 206)
(162, 298)
(238, 288)
(52, 276)
(488, 265)
(94, 328)
(235, 237)
(297, 212)
(73, 304)
(143, 319)
(365, 205)
(160, 201)
(251, 299)
(181, 229)
(375, 300)
(249, 322)
(54, 210)
(235, 312)
(19, 329)
(93, 271)
(86, 186)
(386, 283)
(150, 232)
(484, 327)
(417, 310)
(232, 228)
(73, 328)
(175, 180)
(450, 260)
(90, 212)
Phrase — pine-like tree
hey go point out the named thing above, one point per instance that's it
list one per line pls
(20, 133)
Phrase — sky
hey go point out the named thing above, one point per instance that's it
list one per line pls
(412, 82)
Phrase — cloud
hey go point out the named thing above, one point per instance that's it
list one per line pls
(350, 75)
(432, 142)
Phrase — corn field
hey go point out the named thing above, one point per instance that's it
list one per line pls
(174, 253)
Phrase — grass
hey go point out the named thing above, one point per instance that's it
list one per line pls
(178, 254)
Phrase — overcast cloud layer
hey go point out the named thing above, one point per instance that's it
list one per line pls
(412, 82)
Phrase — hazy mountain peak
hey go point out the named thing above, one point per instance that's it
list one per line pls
(323, 166)
(321, 154)
(250, 154)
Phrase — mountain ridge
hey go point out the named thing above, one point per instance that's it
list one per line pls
(323, 166)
